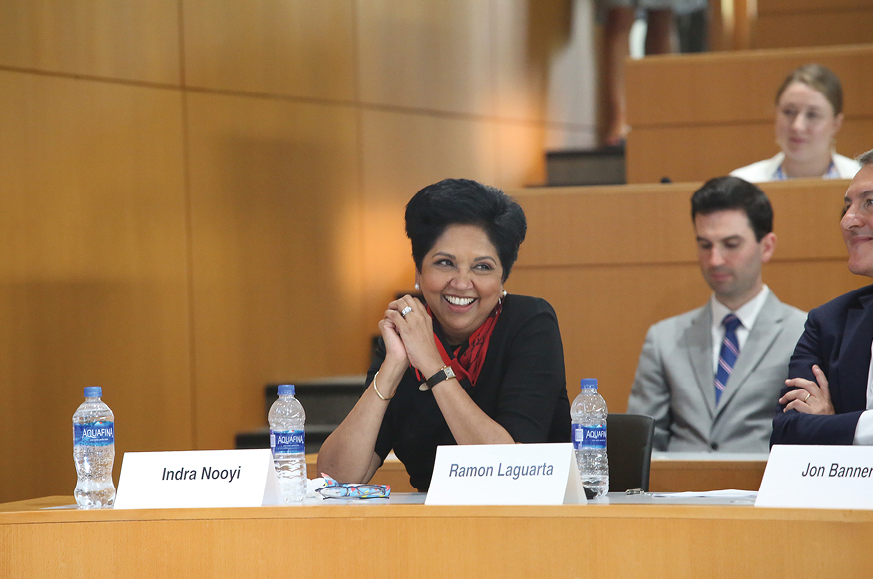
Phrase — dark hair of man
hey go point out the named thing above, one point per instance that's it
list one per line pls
(465, 202)
(865, 159)
(727, 193)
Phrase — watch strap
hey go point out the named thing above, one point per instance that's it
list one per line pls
(444, 373)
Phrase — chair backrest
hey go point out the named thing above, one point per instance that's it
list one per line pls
(629, 447)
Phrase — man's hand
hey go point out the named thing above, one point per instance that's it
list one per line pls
(808, 397)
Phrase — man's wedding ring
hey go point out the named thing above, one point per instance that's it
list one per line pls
(405, 311)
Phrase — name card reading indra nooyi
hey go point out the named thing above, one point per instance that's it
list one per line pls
(818, 477)
(197, 478)
(505, 474)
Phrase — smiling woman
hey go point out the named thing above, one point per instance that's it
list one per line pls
(809, 114)
(471, 365)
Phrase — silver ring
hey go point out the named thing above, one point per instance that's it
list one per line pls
(405, 311)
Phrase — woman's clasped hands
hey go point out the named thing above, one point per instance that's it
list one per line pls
(407, 330)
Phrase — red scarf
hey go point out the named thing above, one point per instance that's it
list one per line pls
(468, 364)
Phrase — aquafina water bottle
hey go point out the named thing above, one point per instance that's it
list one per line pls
(94, 451)
(287, 443)
(588, 414)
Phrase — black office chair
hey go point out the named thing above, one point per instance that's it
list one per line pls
(629, 447)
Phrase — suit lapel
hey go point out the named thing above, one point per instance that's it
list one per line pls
(854, 359)
(767, 327)
(699, 341)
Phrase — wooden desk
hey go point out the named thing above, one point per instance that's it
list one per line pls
(372, 540)
(667, 475)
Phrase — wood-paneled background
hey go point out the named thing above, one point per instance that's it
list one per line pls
(203, 196)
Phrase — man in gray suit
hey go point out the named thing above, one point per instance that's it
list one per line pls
(711, 377)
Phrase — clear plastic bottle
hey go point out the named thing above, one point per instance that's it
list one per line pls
(287, 443)
(588, 414)
(94, 451)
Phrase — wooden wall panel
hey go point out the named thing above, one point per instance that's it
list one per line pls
(440, 51)
(120, 39)
(610, 272)
(571, 226)
(780, 30)
(585, 226)
(735, 86)
(520, 158)
(789, 23)
(303, 49)
(528, 37)
(275, 250)
(783, 6)
(402, 153)
(685, 153)
(698, 116)
(93, 285)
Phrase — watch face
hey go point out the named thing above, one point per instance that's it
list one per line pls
(449, 373)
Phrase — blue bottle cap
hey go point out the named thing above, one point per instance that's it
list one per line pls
(93, 392)
(589, 383)
(286, 389)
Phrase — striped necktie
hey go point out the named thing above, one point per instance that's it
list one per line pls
(730, 350)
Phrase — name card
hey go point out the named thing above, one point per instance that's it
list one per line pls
(505, 474)
(197, 478)
(818, 477)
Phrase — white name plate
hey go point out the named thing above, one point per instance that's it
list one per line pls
(818, 477)
(505, 474)
(197, 478)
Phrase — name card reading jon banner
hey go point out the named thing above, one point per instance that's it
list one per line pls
(505, 474)
(818, 477)
(197, 478)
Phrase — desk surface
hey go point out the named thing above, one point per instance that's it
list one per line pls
(387, 539)
(669, 472)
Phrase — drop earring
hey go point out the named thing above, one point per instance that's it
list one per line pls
(417, 287)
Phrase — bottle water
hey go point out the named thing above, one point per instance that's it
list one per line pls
(588, 414)
(94, 451)
(286, 441)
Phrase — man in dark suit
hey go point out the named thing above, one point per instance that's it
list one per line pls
(827, 400)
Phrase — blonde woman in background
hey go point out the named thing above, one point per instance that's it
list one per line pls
(809, 114)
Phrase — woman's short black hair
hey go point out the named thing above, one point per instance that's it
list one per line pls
(465, 202)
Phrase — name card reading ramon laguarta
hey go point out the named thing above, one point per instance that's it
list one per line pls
(505, 474)
(197, 478)
(818, 477)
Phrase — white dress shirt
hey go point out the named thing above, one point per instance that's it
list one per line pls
(864, 429)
